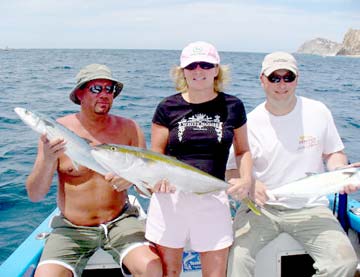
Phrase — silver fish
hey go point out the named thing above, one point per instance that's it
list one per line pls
(316, 185)
(145, 168)
(77, 148)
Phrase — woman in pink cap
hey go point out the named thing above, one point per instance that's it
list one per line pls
(197, 126)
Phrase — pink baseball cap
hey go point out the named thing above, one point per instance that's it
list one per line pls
(199, 51)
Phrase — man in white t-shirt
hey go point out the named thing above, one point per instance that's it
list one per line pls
(289, 136)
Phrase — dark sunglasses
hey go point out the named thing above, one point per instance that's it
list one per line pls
(203, 65)
(97, 89)
(288, 77)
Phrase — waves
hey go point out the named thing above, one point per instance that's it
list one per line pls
(42, 79)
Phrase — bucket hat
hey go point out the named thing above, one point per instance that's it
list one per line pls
(93, 72)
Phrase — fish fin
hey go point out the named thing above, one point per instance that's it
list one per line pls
(148, 161)
(349, 173)
(206, 192)
(88, 141)
(75, 164)
(271, 195)
(310, 174)
(252, 206)
(143, 189)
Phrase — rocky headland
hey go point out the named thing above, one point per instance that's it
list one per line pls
(324, 47)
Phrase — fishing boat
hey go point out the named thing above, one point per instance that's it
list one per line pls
(280, 258)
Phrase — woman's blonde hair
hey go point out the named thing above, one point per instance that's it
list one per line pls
(220, 81)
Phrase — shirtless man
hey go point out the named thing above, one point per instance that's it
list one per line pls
(94, 208)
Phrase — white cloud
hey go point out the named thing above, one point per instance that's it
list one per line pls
(258, 26)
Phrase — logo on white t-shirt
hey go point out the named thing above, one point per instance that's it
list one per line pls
(306, 142)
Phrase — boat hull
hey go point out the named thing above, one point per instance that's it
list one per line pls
(279, 255)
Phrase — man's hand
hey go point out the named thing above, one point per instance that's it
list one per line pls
(351, 187)
(240, 188)
(117, 183)
(259, 194)
(52, 150)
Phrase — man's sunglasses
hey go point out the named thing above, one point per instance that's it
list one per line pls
(288, 77)
(203, 65)
(97, 89)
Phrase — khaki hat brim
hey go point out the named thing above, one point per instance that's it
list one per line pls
(271, 69)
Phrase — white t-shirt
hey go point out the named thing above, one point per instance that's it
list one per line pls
(285, 148)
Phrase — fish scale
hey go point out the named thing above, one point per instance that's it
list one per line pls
(142, 165)
(77, 148)
(316, 185)
(145, 168)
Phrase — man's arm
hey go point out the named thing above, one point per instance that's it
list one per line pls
(339, 160)
(139, 140)
(335, 160)
(39, 181)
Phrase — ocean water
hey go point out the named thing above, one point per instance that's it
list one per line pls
(41, 80)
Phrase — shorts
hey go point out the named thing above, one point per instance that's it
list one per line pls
(71, 246)
(202, 222)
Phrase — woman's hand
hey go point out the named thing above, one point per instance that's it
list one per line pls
(164, 186)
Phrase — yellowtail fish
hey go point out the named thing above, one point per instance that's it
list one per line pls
(145, 168)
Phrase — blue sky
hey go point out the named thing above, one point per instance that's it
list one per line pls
(234, 25)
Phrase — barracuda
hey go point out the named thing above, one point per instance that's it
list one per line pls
(315, 185)
(77, 148)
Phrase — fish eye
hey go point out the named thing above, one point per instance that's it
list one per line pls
(113, 148)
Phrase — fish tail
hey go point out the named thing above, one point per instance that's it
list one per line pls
(252, 206)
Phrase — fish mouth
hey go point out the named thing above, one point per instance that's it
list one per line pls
(18, 110)
(21, 112)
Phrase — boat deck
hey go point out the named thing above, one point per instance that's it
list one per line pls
(112, 272)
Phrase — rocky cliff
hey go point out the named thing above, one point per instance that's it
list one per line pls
(351, 43)
(325, 47)
(320, 46)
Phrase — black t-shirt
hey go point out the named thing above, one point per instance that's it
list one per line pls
(201, 134)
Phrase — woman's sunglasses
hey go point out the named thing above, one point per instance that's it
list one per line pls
(203, 65)
(288, 77)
